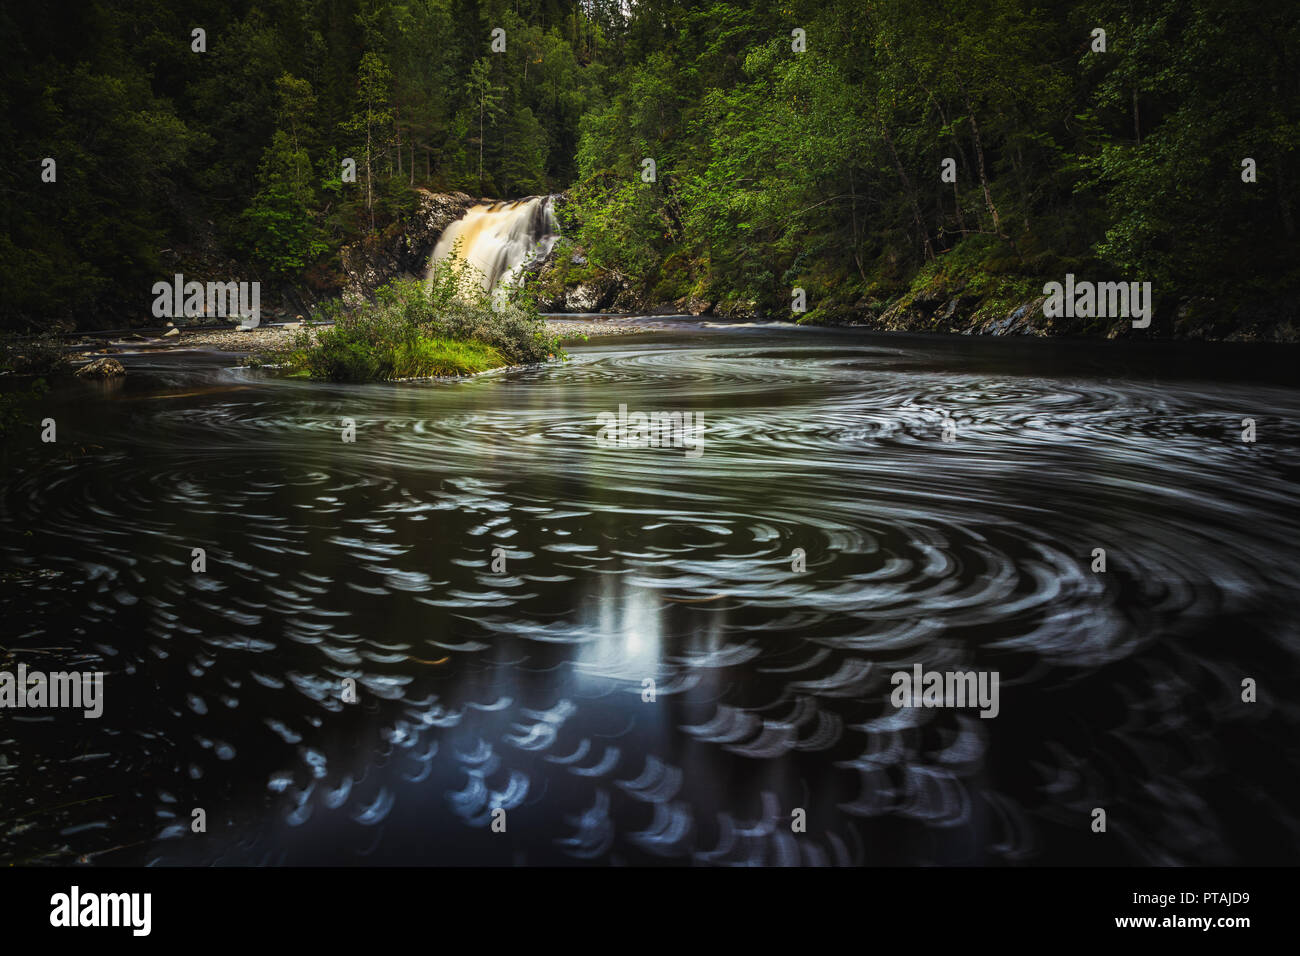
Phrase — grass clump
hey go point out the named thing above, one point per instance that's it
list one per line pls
(447, 325)
(425, 358)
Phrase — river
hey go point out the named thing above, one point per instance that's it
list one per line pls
(527, 688)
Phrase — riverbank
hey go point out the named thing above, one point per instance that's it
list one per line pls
(270, 341)
(977, 289)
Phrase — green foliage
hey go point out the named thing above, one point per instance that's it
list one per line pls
(1196, 92)
(774, 168)
(426, 358)
(821, 169)
(445, 326)
(174, 160)
(279, 231)
(92, 235)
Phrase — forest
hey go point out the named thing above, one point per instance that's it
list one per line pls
(849, 149)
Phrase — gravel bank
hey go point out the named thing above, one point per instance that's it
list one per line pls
(269, 340)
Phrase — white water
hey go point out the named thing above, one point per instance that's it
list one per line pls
(502, 239)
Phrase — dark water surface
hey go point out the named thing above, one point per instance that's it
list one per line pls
(523, 690)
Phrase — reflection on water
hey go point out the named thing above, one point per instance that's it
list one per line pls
(523, 689)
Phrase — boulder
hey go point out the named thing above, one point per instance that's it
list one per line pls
(102, 368)
(582, 298)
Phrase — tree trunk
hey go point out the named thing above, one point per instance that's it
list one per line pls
(370, 204)
(961, 153)
(1019, 162)
(853, 211)
(979, 162)
(911, 193)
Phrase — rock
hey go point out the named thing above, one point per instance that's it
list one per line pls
(694, 305)
(626, 300)
(404, 250)
(102, 368)
(582, 298)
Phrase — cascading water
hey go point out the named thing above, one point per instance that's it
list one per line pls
(501, 240)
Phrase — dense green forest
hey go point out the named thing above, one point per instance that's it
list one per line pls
(795, 143)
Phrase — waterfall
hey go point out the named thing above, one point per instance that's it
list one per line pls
(502, 239)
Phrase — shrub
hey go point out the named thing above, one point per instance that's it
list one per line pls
(446, 325)
(518, 334)
(339, 360)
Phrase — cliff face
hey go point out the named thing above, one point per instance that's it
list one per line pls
(401, 250)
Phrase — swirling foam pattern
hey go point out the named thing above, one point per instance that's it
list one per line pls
(522, 690)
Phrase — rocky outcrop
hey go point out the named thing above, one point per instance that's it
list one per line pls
(566, 282)
(1271, 319)
(964, 312)
(403, 249)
